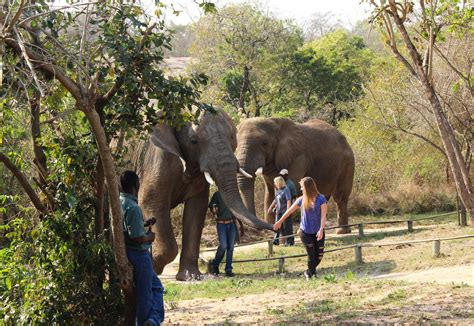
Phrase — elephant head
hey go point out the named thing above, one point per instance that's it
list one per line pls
(264, 147)
(207, 147)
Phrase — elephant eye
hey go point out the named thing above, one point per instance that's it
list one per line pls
(193, 140)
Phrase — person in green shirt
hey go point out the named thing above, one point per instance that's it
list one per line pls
(149, 306)
(227, 233)
(288, 227)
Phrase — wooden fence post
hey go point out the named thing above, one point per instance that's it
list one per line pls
(358, 254)
(410, 226)
(361, 230)
(436, 248)
(270, 248)
(281, 265)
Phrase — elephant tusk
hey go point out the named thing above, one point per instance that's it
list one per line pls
(244, 173)
(183, 162)
(259, 171)
(209, 178)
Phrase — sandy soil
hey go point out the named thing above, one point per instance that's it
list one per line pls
(261, 308)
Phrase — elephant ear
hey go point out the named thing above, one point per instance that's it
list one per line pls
(164, 137)
(289, 143)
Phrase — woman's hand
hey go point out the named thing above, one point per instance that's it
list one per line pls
(269, 211)
(320, 234)
(277, 226)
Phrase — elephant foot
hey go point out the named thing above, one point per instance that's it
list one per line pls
(344, 230)
(189, 274)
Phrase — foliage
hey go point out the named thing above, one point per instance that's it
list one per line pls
(58, 265)
(326, 72)
(243, 51)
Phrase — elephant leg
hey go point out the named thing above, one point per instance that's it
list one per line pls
(154, 204)
(164, 248)
(342, 216)
(269, 196)
(193, 222)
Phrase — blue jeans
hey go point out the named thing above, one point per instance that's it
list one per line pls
(227, 234)
(148, 288)
(286, 229)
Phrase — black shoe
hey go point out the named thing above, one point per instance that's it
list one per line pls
(276, 243)
(229, 274)
(215, 270)
(308, 275)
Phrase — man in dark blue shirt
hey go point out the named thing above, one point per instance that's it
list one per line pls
(149, 306)
(227, 233)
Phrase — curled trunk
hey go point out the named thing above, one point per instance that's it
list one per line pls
(230, 193)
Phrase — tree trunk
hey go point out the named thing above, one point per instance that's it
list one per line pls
(40, 157)
(453, 152)
(244, 89)
(124, 268)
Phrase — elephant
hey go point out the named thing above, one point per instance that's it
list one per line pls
(314, 148)
(177, 166)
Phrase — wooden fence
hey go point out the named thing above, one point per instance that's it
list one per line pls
(360, 227)
(357, 247)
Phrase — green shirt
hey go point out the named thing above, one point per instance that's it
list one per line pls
(223, 213)
(291, 185)
(132, 221)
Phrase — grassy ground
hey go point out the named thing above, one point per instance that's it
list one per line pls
(343, 292)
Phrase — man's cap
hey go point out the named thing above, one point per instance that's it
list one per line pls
(284, 172)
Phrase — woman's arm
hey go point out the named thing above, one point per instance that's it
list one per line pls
(324, 210)
(288, 212)
(271, 206)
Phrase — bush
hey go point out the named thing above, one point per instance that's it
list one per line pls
(408, 198)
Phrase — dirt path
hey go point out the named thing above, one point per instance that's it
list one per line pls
(443, 275)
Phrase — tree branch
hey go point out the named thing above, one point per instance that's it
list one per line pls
(23, 182)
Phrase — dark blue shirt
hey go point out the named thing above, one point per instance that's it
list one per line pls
(311, 218)
(281, 198)
(291, 185)
(223, 213)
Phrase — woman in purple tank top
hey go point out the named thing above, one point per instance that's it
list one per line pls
(313, 221)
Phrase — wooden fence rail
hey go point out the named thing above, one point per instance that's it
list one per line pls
(360, 227)
(357, 251)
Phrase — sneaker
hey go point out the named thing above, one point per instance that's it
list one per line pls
(229, 274)
(307, 275)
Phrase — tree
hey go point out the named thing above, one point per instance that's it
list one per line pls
(321, 24)
(242, 50)
(72, 61)
(326, 72)
(433, 20)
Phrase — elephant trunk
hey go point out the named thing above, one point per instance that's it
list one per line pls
(247, 190)
(228, 188)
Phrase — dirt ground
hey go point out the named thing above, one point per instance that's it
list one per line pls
(439, 306)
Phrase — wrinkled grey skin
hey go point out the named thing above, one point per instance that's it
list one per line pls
(208, 146)
(314, 149)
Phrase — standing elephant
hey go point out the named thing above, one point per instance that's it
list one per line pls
(177, 166)
(315, 149)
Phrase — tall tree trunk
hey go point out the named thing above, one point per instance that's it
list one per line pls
(40, 157)
(124, 267)
(244, 89)
(453, 152)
